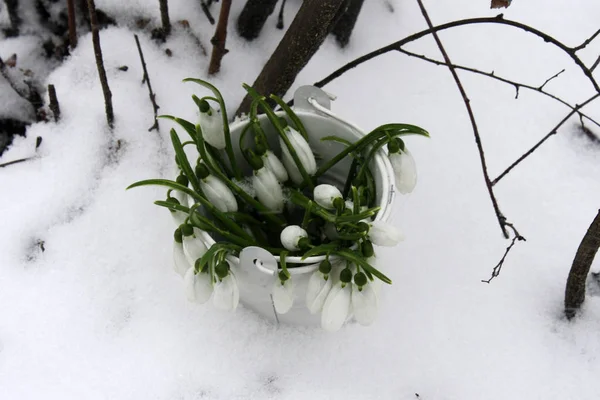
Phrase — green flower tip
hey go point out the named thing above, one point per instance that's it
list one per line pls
(203, 106)
(222, 269)
(255, 161)
(304, 243)
(363, 226)
(360, 279)
(346, 275)
(325, 267)
(178, 236)
(182, 180)
(187, 229)
(283, 276)
(367, 249)
(202, 171)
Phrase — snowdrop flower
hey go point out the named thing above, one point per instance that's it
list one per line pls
(267, 189)
(291, 235)
(364, 300)
(318, 288)
(336, 308)
(212, 125)
(218, 194)
(180, 261)
(305, 155)
(382, 234)
(193, 246)
(325, 196)
(198, 286)
(272, 162)
(226, 292)
(283, 294)
(404, 166)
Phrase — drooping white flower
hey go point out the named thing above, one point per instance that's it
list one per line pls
(267, 189)
(198, 287)
(364, 304)
(194, 247)
(324, 195)
(226, 294)
(211, 123)
(383, 234)
(272, 162)
(180, 261)
(305, 155)
(218, 194)
(337, 307)
(291, 235)
(183, 199)
(317, 291)
(283, 295)
(405, 171)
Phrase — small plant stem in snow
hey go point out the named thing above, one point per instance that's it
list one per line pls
(146, 79)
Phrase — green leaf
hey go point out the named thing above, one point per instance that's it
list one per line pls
(172, 206)
(167, 183)
(186, 125)
(321, 249)
(292, 115)
(183, 161)
(336, 139)
(358, 259)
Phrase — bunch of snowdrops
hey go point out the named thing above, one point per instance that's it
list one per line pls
(282, 206)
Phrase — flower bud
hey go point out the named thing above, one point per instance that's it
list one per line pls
(211, 124)
(182, 180)
(304, 153)
(272, 162)
(405, 171)
(178, 236)
(326, 195)
(202, 171)
(218, 194)
(360, 279)
(187, 230)
(267, 189)
(367, 249)
(346, 275)
(291, 235)
(325, 267)
(382, 234)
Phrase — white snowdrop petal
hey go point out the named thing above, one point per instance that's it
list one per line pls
(382, 234)
(324, 195)
(405, 171)
(283, 296)
(180, 261)
(316, 292)
(274, 164)
(193, 247)
(289, 163)
(212, 129)
(336, 308)
(291, 235)
(365, 304)
(267, 189)
(203, 287)
(226, 294)
(188, 284)
(218, 194)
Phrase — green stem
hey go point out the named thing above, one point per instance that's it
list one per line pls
(307, 214)
(292, 115)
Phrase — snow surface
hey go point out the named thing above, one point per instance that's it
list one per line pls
(100, 314)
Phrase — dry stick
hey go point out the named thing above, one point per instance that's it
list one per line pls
(164, 16)
(280, 16)
(218, 41)
(146, 78)
(465, 22)
(54, 102)
(206, 11)
(498, 267)
(516, 84)
(12, 7)
(72, 23)
(538, 144)
(575, 289)
(295, 49)
(15, 162)
(463, 93)
(110, 117)
(593, 67)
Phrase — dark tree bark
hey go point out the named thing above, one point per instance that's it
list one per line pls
(54, 102)
(110, 117)
(12, 6)
(575, 290)
(218, 41)
(72, 23)
(253, 17)
(164, 17)
(342, 30)
(303, 38)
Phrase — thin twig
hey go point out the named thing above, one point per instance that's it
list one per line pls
(164, 17)
(587, 41)
(218, 41)
(538, 144)
(15, 162)
(549, 79)
(492, 75)
(467, 101)
(72, 23)
(110, 117)
(280, 16)
(146, 79)
(465, 22)
(498, 268)
(54, 102)
(593, 67)
(186, 26)
(206, 11)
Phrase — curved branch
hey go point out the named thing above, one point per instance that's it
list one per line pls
(465, 22)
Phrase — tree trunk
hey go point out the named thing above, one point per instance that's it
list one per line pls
(12, 6)
(218, 41)
(303, 38)
(575, 290)
(345, 24)
(253, 17)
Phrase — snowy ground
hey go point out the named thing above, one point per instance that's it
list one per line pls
(100, 314)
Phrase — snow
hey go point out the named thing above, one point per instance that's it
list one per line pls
(100, 314)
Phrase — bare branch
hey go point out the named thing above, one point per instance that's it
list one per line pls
(595, 64)
(498, 268)
(587, 41)
(146, 79)
(280, 16)
(218, 41)
(206, 12)
(164, 17)
(538, 144)
(54, 102)
(549, 79)
(110, 117)
(467, 101)
(72, 23)
(586, 252)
